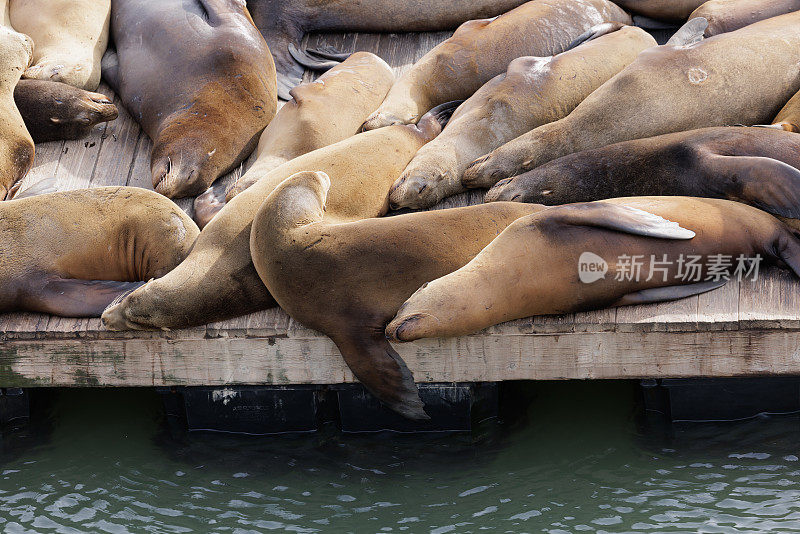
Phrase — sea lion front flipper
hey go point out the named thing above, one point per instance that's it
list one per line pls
(617, 217)
(662, 294)
(383, 372)
(42, 187)
(768, 184)
(70, 297)
(690, 33)
(109, 66)
(310, 60)
(594, 32)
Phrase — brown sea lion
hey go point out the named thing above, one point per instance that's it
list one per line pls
(70, 35)
(347, 279)
(729, 15)
(55, 110)
(739, 77)
(788, 118)
(532, 92)
(16, 145)
(536, 266)
(670, 10)
(757, 166)
(283, 25)
(199, 79)
(71, 253)
(218, 281)
(479, 50)
(320, 113)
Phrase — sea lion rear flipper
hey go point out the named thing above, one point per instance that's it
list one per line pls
(69, 297)
(768, 184)
(109, 66)
(594, 32)
(383, 372)
(42, 187)
(690, 33)
(617, 217)
(661, 294)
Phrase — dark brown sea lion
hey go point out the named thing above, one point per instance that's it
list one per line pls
(284, 23)
(55, 110)
(70, 35)
(757, 166)
(320, 113)
(347, 278)
(532, 92)
(479, 50)
(739, 77)
(199, 79)
(218, 281)
(532, 268)
(729, 15)
(71, 253)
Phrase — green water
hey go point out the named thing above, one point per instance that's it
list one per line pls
(577, 461)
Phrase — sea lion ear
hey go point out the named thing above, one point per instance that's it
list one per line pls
(620, 218)
(765, 183)
(690, 33)
(594, 32)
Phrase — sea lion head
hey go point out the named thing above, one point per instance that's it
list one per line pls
(184, 163)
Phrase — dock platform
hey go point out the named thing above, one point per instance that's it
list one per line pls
(745, 328)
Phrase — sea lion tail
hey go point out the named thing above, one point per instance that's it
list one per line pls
(690, 33)
(383, 372)
(594, 32)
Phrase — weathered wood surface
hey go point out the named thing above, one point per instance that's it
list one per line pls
(744, 328)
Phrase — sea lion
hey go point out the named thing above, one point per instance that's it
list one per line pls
(283, 25)
(479, 50)
(320, 113)
(199, 79)
(55, 110)
(218, 281)
(346, 279)
(788, 118)
(70, 35)
(729, 15)
(669, 10)
(533, 91)
(71, 253)
(16, 144)
(757, 166)
(739, 77)
(532, 268)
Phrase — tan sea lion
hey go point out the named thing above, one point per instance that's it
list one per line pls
(532, 268)
(218, 281)
(533, 91)
(739, 77)
(283, 25)
(199, 79)
(346, 279)
(788, 118)
(479, 50)
(55, 110)
(16, 145)
(670, 10)
(757, 166)
(71, 253)
(70, 35)
(729, 15)
(320, 113)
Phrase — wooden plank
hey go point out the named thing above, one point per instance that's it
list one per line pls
(314, 359)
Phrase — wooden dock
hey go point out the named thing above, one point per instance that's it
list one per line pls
(744, 328)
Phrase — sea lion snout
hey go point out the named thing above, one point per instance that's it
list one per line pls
(178, 177)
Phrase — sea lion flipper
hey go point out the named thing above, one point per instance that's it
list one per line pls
(594, 32)
(110, 68)
(661, 294)
(312, 59)
(383, 372)
(690, 33)
(620, 218)
(42, 187)
(69, 297)
(766, 183)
